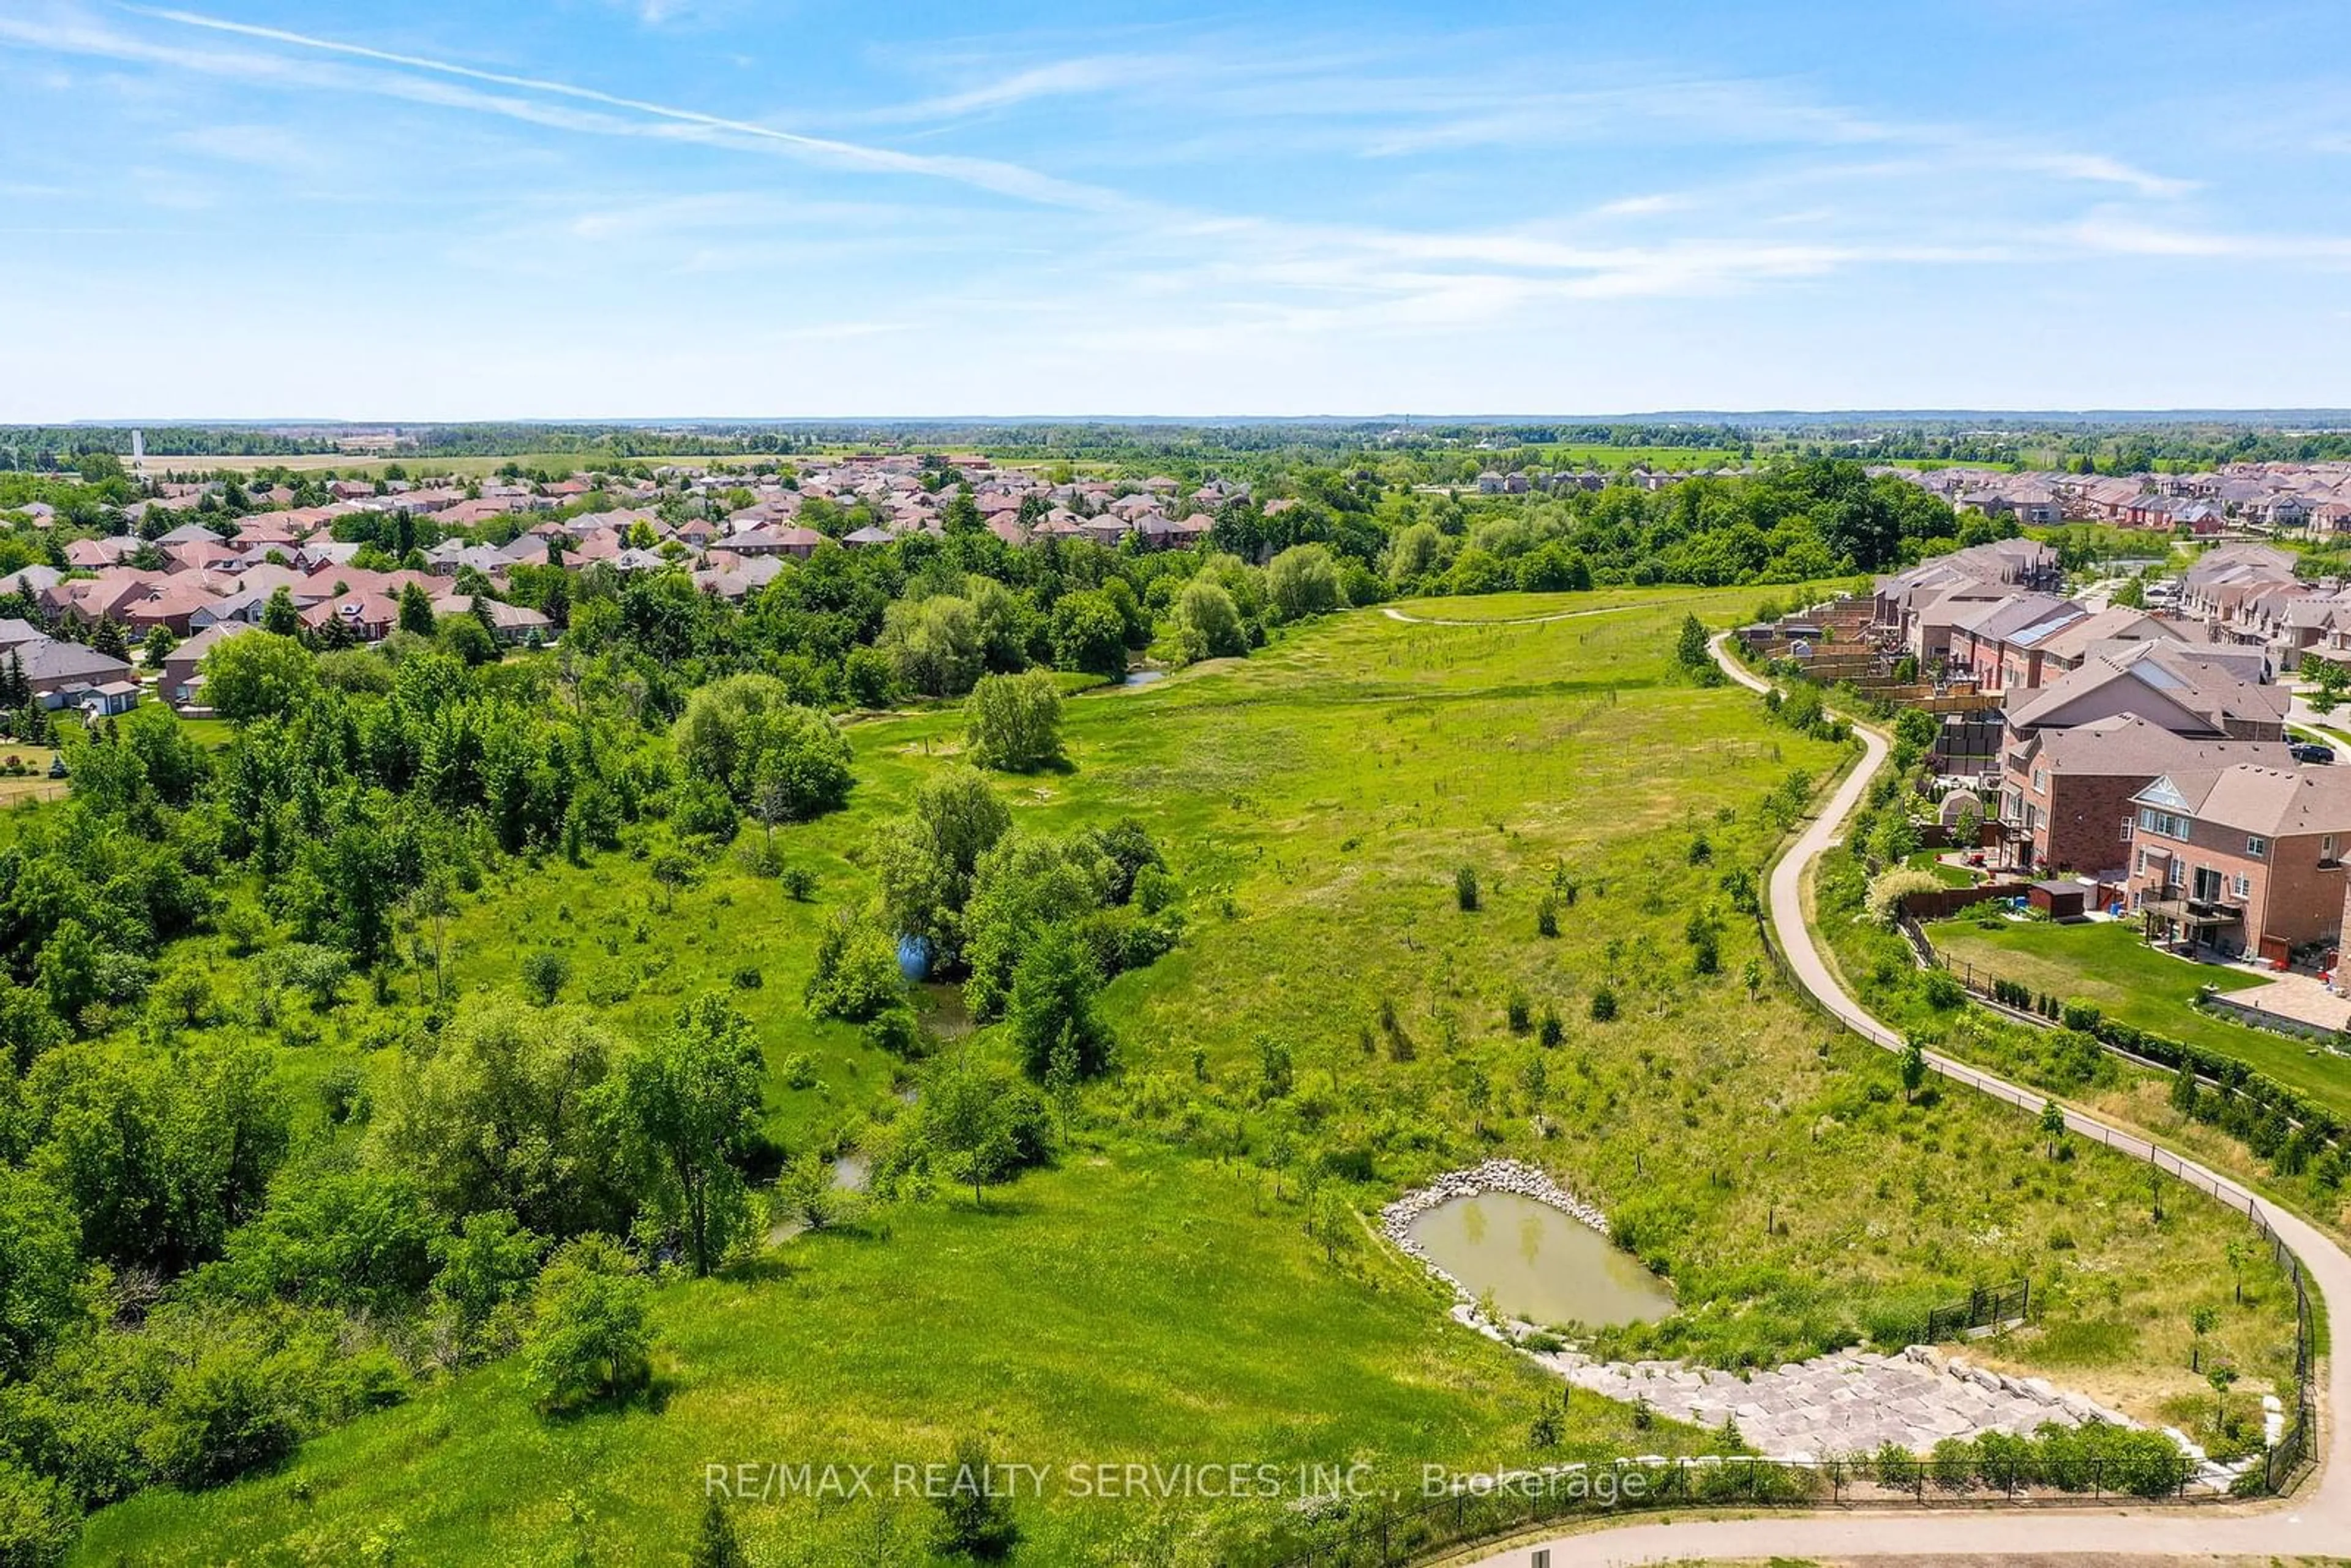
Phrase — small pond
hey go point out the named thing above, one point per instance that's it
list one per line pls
(1542, 1265)
(1144, 675)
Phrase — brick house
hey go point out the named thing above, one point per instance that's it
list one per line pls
(2244, 859)
(2193, 691)
(2067, 795)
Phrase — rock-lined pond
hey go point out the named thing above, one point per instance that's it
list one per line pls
(1542, 1265)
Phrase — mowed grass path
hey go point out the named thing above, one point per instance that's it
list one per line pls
(2108, 964)
(1153, 1296)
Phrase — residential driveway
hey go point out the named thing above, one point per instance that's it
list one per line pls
(2316, 1520)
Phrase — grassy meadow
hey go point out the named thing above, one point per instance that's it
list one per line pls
(1332, 1013)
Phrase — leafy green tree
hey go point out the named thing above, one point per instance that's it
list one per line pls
(1014, 722)
(2053, 1125)
(417, 610)
(925, 859)
(968, 1115)
(716, 1544)
(467, 638)
(1689, 645)
(690, 1103)
(855, 976)
(1089, 634)
(39, 1520)
(544, 972)
(486, 1266)
(1913, 1068)
(504, 1112)
(746, 734)
(974, 1519)
(70, 970)
(260, 675)
(588, 1338)
(358, 1240)
(40, 1271)
(1303, 581)
(1208, 623)
(1052, 1010)
(159, 1157)
(935, 643)
(280, 616)
(961, 514)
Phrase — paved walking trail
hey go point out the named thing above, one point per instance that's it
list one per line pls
(2316, 1520)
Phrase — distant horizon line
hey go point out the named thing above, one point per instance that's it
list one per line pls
(1654, 416)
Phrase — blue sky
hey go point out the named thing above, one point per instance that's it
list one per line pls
(579, 208)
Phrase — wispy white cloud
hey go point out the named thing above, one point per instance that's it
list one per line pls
(262, 146)
(1645, 207)
(2121, 233)
(1080, 77)
(2100, 170)
(1000, 178)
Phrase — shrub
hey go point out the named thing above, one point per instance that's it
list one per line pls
(1888, 889)
(588, 1338)
(38, 1520)
(1604, 1005)
(1942, 991)
(225, 1413)
(544, 972)
(1520, 1013)
(705, 811)
(1465, 889)
(1014, 722)
(856, 974)
(974, 1519)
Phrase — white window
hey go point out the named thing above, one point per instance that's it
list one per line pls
(2242, 885)
(2256, 845)
(2142, 863)
(2126, 830)
(2036, 778)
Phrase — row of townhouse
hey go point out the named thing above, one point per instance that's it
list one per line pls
(2272, 496)
(1917, 609)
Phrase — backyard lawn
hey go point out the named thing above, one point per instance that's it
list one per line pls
(2106, 963)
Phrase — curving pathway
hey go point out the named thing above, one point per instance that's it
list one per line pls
(2316, 1519)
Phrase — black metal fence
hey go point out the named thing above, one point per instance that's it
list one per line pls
(2284, 1460)
(2009, 1304)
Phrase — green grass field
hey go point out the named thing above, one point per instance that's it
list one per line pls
(1680, 459)
(1156, 1294)
(2108, 964)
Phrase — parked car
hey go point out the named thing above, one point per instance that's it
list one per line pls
(2311, 751)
